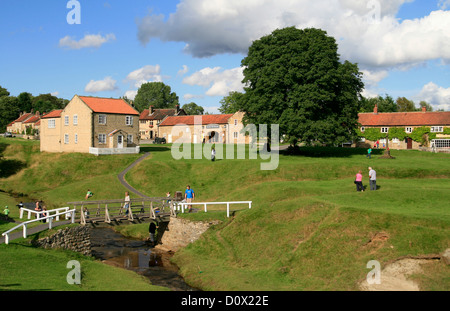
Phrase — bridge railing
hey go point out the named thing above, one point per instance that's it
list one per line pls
(48, 219)
(39, 214)
(183, 205)
(108, 210)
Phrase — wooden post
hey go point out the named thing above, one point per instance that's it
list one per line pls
(82, 218)
(107, 218)
(24, 231)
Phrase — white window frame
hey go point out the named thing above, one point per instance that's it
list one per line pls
(51, 123)
(129, 138)
(235, 122)
(100, 117)
(76, 138)
(437, 129)
(66, 120)
(408, 130)
(66, 139)
(102, 139)
(235, 135)
(75, 119)
(384, 130)
(395, 140)
(129, 120)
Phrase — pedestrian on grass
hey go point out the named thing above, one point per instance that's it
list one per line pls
(369, 152)
(189, 196)
(6, 212)
(358, 182)
(213, 154)
(372, 179)
(89, 194)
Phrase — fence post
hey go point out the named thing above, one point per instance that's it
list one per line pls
(50, 222)
(205, 208)
(228, 210)
(21, 213)
(250, 205)
(25, 230)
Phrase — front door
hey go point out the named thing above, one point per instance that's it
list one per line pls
(120, 141)
(409, 143)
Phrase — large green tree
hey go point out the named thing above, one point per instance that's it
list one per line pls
(294, 78)
(193, 109)
(384, 104)
(9, 111)
(157, 94)
(230, 103)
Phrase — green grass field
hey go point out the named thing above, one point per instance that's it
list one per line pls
(308, 228)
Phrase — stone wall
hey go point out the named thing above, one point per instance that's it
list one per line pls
(181, 232)
(77, 239)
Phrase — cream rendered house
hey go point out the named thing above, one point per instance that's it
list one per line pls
(92, 125)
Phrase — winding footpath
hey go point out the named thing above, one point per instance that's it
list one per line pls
(122, 180)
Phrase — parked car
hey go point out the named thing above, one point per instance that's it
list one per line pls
(159, 140)
(8, 134)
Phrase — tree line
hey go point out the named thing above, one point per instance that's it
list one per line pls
(12, 106)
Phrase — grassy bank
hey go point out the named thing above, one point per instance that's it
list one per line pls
(308, 228)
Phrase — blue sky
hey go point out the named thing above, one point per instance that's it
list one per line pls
(196, 46)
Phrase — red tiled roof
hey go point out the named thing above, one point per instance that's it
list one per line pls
(24, 117)
(158, 114)
(405, 118)
(108, 105)
(189, 120)
(33, 119)
(52, 114)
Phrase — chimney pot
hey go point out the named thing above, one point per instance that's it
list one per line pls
(375, 109)
(424, 109)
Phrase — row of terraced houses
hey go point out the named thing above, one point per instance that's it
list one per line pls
(112, 126)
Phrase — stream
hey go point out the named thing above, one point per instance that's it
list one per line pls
(136, 255)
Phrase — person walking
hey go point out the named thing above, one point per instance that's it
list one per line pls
(152, 231)
(189, 196)
(358, 182)
(372, 179)
(213, 154)
(369, 152)
(127, 204)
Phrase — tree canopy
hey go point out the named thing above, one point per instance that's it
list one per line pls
(294, 78)
(193, 109)
(156, 94)
(230, 103)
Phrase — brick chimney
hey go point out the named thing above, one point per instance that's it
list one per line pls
(424, 109)
(177, 109)
(375, 109)
(150, 110)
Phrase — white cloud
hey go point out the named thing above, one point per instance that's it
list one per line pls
(145, 74)
(191, 96)
(219, 82)
(444, 4)
(435, 95)
(130, 94)
(183, 71)
(56, 93)
(89, 41)
(211, 27)
(107, 84)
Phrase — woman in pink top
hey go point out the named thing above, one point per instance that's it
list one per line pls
(358, 182)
